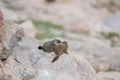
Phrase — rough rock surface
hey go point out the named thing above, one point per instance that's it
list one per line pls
(15, 4)
(72, 65)
(10, 36)
(35, 64)
(29, 28)
(109, 75)
(1, 23)
(113, 23)
(9, 14)
(99, 53)
(102, 52)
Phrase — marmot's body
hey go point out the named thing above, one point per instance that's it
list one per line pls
(59, 49)
(49, 45)
(55, 46)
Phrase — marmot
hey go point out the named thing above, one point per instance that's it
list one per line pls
(59, 49)
(49, 45)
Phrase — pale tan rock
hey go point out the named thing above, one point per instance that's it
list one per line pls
(73, 65)
(1, 24)
(64, 76)
(109, 75)
(9, 14)
(12, 33)
(29, 28)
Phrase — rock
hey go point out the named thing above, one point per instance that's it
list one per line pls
(29, 28)
(109, 75)
(15, 4)
(6, 73)
(10, 76)
(22, 71)
(103, 53)
(72, 65)
(98, 53)
(113, 3)
(104, 1)
(96, 63)
(67, 13)
(9, 14)
(2, 5)
(11, 34)
(1, 24)
(112, 23)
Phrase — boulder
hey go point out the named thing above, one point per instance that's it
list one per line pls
(12, 33)
(9, 14)
(29, 28)
(15, 4)
(112, 24)
(73, 65)
(1, 24)
(99, 53)
(27, 62)
(6, 74)
(109, 75)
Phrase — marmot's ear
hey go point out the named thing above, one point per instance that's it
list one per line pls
(65, 42)
(56, 41)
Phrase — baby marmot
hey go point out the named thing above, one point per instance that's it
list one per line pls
(49, 45)
(55, 46)
(59, 49)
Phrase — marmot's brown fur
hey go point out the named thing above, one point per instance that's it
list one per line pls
(49, 45)
(59, 49)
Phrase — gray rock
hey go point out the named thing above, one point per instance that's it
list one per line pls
(29, 28)
(109, 75)
(15, 4)
(12, 33)
(9, 14)
(99, 53)
(72, 65)
(113, 23)
(102, 52)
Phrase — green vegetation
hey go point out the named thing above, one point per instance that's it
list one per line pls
(110, 70)
(48, 30)
(111, 36)
(110, 5)
(46, 25)
(20, 22)
(111, 2)
(48, 35)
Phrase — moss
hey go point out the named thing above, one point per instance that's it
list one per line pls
(21, 21)
(110, 70)
(110, 36)
(48, 35)
(48, 29)
(111, 2)
(110, 6)
(46, 25)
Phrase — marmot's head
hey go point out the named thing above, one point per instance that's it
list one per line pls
(56, 41)
(65, 43)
